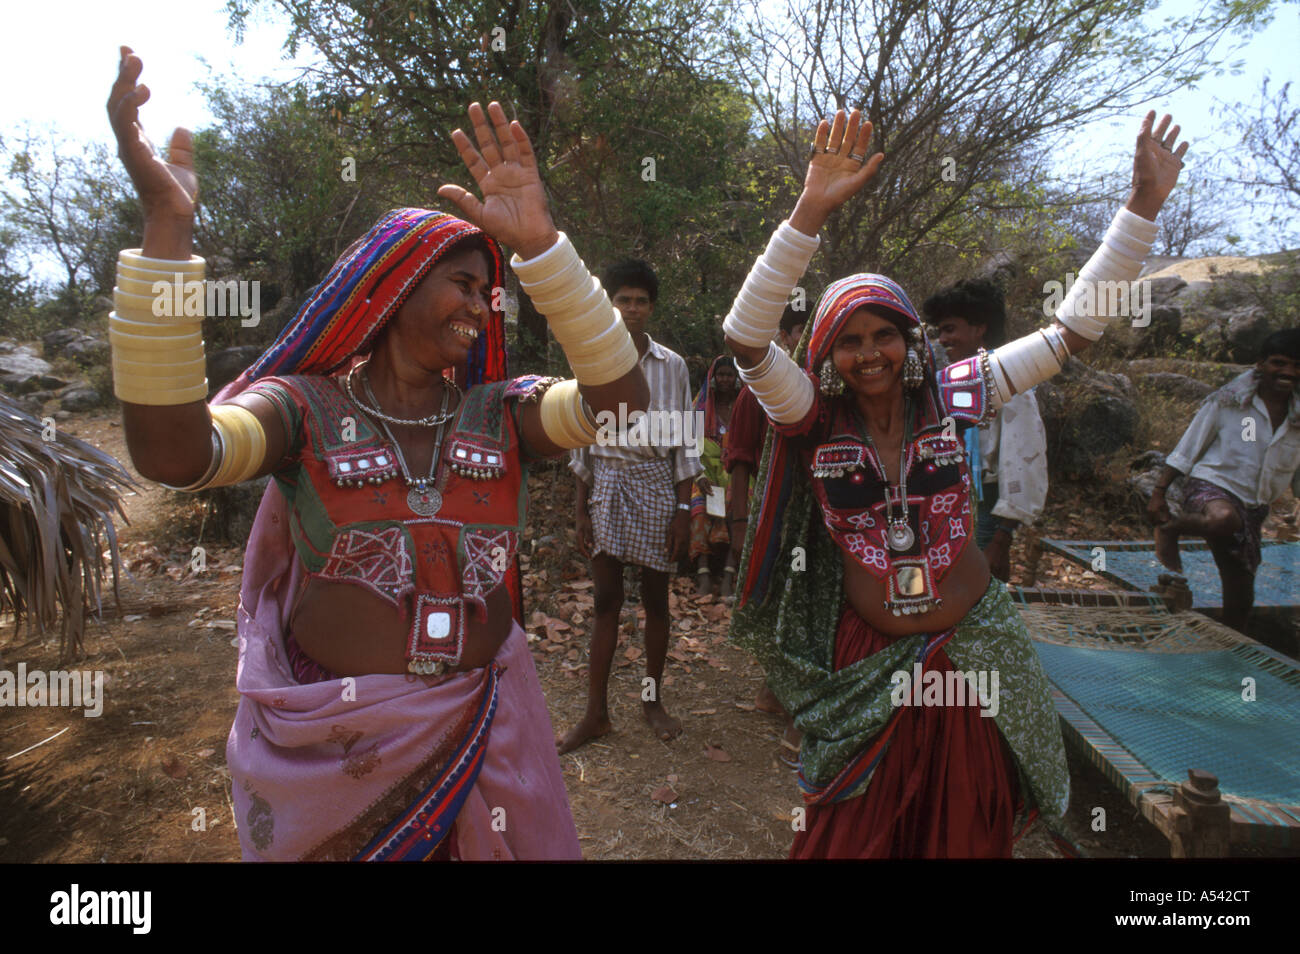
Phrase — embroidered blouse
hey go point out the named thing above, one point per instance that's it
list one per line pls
(349, 519)
(850, 485)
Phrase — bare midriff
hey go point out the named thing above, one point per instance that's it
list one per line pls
(960, 589)
(353, 632)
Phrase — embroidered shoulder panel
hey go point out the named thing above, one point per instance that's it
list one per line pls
(333, 421)
(964, 390)
(529, 387)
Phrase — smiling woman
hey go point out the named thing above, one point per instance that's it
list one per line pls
(389, 707)
(865, 484)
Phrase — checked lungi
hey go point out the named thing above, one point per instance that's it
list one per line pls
(631, 506)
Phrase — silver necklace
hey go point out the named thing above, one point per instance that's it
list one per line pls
(423, 497)
(432, 420)
(899, 535)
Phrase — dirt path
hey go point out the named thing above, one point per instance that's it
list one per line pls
(147, 780)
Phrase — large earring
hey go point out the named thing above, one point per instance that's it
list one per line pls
(832, 383)
(913, 371)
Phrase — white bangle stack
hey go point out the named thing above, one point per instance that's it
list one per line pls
(756, 314)
(594, 339)
(785, 393)
(1118, 259)
(157, 348)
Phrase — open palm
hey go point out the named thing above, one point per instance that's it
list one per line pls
(167, 187)
(1156, 163)
(514, 209)
(834, 174)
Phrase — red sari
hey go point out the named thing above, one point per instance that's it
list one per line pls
(947, 787)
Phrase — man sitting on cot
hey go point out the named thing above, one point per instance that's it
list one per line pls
(1239, 454)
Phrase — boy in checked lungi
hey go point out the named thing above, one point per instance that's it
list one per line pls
(634, 506)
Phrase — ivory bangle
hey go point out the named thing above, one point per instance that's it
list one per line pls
(131, 258)
(125, 349)
(566, 420)
(156, 398)
(244, 443)
(155, 369)
(154, 329)
(579, 313)
(1024, 362)
(1118, 260)
(756, 313)
(780, 386)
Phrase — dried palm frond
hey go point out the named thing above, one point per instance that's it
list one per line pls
(56, 497)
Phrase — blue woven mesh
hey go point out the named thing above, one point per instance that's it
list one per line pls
(1134, 565)
(1178, 711)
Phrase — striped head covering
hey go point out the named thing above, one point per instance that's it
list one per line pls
(364, 289)
(782, 487)
(841, 299)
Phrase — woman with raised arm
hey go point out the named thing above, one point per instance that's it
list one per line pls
(389, 707)
(873, 617)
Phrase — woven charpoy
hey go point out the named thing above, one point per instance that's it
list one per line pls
(1133, 564)
(1149, 694)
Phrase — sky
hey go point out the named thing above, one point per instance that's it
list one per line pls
(184, 42)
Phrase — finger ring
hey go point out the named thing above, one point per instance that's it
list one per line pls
(833, 152)
(854, 155)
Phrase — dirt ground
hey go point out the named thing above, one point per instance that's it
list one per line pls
(147, 780)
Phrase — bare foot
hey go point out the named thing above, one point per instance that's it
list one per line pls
(1167, 549)
(664, 725)
(591, 727)
(766, 701)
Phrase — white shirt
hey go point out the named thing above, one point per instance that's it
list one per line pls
(1231, 444)
(1013, 453)
(669, 383)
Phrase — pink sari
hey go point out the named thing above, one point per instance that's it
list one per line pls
(368, 767)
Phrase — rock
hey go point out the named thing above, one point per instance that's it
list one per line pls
(62, 415)
(58, 339)
(1247, 328)
(226, 365)
(22, 372)
(80, 399)
(1176, 385)
(1087, 419)
(87, 349)
(1161, 335)
(1161, 290)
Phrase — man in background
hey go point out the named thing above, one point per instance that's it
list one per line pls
(633, 507)
(1240, 453)
(1007, 456)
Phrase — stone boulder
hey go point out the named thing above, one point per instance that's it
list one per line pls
(80, 398)
(1161, 291)
(87, 350)
(1246, 330)
(22, 371)
(1089, 415)
(58, 339)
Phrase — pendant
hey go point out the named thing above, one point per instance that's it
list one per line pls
(424, 502)
(901, 537)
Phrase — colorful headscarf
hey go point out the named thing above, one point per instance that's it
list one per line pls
(364, 289)
(779, 476)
